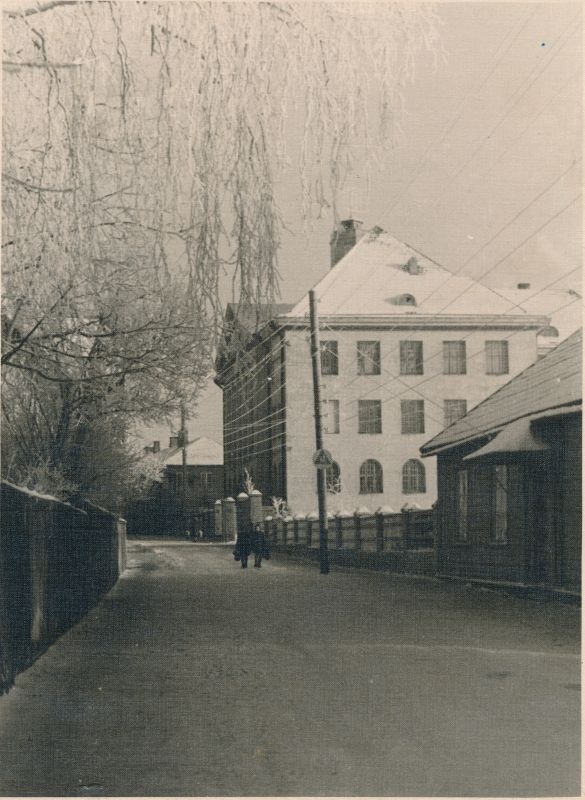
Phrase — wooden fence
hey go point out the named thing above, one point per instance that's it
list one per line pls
(397, 542)
(56, 561)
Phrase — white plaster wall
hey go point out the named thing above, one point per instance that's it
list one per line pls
(391, 448)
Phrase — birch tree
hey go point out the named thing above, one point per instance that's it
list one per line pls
(142, 149)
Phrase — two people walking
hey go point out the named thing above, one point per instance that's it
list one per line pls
(251, 541)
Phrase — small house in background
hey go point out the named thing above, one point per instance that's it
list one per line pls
(173, 506)
(509, 479)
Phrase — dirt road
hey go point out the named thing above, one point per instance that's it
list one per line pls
(195, 677)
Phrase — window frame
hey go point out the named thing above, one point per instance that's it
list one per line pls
(454, 364)
(365, 419)
(453, 400)
(333, 404)
(333, 484)
(462, 516)
(418, 415)
(412, 483)
(376, 476)
(503, 357)
(363, 357)
(411, 363)
(329, 349)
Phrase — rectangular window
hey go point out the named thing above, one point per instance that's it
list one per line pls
(329, 358)
(453, 410)
(368, 355)
(462, 495)
(205, 479)
(411, 358)
(413, 416)
(330, 416)
(454, 358)
(369, 416)
(500, 529)
(496, 358)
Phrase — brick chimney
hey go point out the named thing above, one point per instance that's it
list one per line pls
(156, 447)
(343, 238)
(174, 441)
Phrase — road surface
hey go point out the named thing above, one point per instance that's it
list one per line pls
(195, 677)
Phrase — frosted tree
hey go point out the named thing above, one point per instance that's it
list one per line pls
(142, 146)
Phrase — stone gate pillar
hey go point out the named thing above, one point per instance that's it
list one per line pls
(229, 517)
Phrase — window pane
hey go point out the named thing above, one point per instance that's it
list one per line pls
(454, 410)
(501, 510)
(330, 416)
(371, 477)
(329, 358)
(462, 506)
(369, 416)
(368, 354)
(413, 416)
(333, 478)
(413, 477)
(454, 358)
(411, 358)
(496, 356)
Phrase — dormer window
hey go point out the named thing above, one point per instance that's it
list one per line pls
(412, 266)
(402, 300)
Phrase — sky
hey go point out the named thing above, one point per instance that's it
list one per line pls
(484, 176)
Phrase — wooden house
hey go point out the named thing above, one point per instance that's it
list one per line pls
(509, 479)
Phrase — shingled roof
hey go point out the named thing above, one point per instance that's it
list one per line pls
(554, 382)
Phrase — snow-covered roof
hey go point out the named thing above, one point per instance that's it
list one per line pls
(565, 308)
(200, 452)
(373, 279)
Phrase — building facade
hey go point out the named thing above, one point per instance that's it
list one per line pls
(510, 480)
(406, 349)
(175, 505)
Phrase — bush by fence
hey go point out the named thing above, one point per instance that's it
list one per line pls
(56, 561)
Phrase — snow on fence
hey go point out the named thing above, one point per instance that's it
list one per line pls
(56, 561)
(359, 531)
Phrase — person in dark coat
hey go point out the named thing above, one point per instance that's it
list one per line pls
(258, 544)
(243, 547)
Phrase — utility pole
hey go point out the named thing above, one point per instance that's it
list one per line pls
(321, 473)
(183, 441)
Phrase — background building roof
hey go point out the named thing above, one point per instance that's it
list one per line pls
(553, 382)
(200, 452)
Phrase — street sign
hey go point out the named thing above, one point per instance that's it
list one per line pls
(322, 459)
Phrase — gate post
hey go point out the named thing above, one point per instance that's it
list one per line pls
(242, 512)
(217, 518)
(255, 506)
(229, 517)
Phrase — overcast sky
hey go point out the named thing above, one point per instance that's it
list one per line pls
(485, 176)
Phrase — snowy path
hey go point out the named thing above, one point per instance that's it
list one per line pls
(195, 677)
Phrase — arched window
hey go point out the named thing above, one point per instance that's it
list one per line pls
(371, 477)
(413, 477)
(333, 478)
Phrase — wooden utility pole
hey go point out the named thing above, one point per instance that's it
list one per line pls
(321, 474)
(183, 440)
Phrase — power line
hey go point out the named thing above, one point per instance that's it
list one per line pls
(476, 88)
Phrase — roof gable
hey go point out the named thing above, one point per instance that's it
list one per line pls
(200, 452)
(552, 382)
